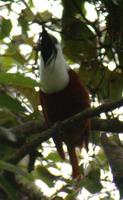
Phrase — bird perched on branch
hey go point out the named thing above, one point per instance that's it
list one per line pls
(62, 95)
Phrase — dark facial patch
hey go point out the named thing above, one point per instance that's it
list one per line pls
(47, 46)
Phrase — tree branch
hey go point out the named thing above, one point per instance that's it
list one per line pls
(114, 153)
(107, 125)
(65, 126)
(36, 126)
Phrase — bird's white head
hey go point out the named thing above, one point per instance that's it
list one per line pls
(53, 67)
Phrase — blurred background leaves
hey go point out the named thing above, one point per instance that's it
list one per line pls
(93, 46)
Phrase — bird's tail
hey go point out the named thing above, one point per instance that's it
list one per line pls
(59, 145)
(74, 162)
(72, 155)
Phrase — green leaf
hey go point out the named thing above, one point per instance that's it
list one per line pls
(5, 149)
(22, 39)
(31, 95)
(71, 9)
(92, 182)
(18, 57)
(79, 42)
(17, 80)
(8, 188)
(26, 16)
(10, 103)
(95, 138)
(23, 84)
(7, 118)
(102, 158)
(24, 24)
(14, 169)
(72, 195)
(54, 157)
(14, 52)
(31, 3)
(45, 16)
(6, 62)
(5, 28)
(45, 175)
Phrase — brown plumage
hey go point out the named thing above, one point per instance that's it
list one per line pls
(61, 105)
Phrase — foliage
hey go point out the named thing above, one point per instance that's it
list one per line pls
(96, 45)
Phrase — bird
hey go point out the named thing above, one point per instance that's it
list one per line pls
(62, 95)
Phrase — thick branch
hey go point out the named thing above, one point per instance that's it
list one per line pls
(36, 126)
(97, 124)
(64, 126)
(107, 125)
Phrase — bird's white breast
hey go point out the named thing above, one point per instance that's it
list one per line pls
(54, 76)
